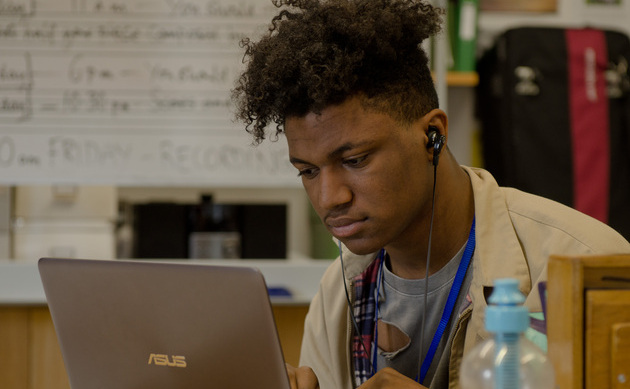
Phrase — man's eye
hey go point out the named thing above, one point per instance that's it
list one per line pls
(356, 161)
(307, 173)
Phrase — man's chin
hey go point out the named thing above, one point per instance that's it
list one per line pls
(360, 248)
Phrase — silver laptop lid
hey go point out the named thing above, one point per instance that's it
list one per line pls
(132, 324)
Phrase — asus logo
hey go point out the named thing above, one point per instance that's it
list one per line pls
(164, 360)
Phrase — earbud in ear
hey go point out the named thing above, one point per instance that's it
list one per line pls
(436, 140)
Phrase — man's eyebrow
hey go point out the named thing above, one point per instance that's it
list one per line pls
(336, 153)
(294, 160)
(341, 149)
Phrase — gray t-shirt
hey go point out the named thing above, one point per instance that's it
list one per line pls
(402, 304)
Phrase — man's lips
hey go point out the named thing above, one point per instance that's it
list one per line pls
(344, 227)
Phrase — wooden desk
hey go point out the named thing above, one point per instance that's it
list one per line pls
(30, 357)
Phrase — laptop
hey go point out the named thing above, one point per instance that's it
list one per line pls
(138, 324)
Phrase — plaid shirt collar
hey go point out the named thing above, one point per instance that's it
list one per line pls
(365, 287)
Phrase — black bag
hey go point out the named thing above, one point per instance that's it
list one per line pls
(554, 106)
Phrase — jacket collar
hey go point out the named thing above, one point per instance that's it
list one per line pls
(354, 264)
(498, 253)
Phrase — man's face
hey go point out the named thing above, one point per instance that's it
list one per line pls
(367, 175)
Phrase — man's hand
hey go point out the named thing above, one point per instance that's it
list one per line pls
(302, 377)
(390, 378)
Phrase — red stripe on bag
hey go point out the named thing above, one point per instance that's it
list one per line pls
(588, 105)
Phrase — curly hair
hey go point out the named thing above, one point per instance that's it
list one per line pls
(318, 53)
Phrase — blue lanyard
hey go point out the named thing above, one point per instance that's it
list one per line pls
(448, 308)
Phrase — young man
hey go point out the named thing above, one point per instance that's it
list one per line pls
(348, 84)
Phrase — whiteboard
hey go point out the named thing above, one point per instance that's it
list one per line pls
(129, 92)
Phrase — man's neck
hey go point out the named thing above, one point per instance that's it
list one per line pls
(454, 212)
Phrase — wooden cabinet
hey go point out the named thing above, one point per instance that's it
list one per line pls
(30, 357)
(14, 331)
(588, 322)
(290, 324)
(29, 353)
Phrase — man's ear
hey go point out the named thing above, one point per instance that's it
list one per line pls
(438, 121)
(435, 128)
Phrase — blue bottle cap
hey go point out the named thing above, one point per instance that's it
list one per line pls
(506, 314)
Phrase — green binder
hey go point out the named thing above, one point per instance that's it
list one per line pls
(462, 24)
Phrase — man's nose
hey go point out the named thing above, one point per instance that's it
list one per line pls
(334, 191)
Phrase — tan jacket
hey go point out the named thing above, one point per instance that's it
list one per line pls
(516, 233)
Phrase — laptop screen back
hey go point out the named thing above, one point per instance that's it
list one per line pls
(132, 324)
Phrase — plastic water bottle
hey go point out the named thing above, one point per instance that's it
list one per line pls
(508, 360)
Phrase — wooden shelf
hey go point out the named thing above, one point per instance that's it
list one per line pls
(462, 78)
